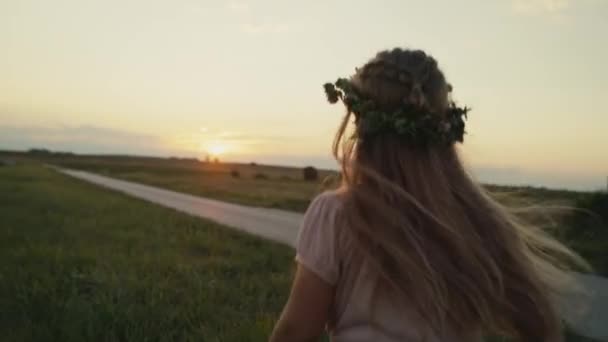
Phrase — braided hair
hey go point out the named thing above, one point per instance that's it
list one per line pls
(416, 76)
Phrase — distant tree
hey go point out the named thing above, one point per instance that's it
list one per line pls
(253, 164)
(310, 173)
(39, 151)
(235, 173)
(260, 176)
(207, 159)
(216, 160)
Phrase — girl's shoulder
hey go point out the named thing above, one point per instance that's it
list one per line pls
(317, 246)
(323, 218)
(328, 202)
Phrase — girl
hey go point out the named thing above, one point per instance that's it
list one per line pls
(410, 248)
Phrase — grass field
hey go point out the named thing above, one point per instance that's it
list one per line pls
(284, 187)
(256, 185)
(79, 263)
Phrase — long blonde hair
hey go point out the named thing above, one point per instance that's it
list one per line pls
(432, 235)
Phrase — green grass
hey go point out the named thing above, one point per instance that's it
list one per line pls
(79, 263)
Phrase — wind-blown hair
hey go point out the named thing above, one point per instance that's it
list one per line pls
(428, 232)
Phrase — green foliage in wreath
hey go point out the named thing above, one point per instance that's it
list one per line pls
(414, 125)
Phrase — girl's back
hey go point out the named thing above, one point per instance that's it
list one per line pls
(325, 247)
(410, 248)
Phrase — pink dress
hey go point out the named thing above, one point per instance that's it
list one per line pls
(324, 248)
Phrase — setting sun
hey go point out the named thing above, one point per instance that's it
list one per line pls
(216, 149)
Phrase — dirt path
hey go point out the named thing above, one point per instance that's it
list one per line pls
(273, 224)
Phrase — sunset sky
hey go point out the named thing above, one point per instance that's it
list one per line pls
(242, 79)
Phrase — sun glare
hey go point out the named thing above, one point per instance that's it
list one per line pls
(216, 149)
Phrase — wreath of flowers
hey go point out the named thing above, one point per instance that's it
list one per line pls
(414, 125)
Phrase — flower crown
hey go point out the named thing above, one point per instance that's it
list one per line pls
(414, 125)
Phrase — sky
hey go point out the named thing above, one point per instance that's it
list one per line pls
(242, 79)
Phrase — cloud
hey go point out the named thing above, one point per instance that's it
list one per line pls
(236, 144)
(535, 7)
(247, 138)
(194, 140)
(81, 139)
